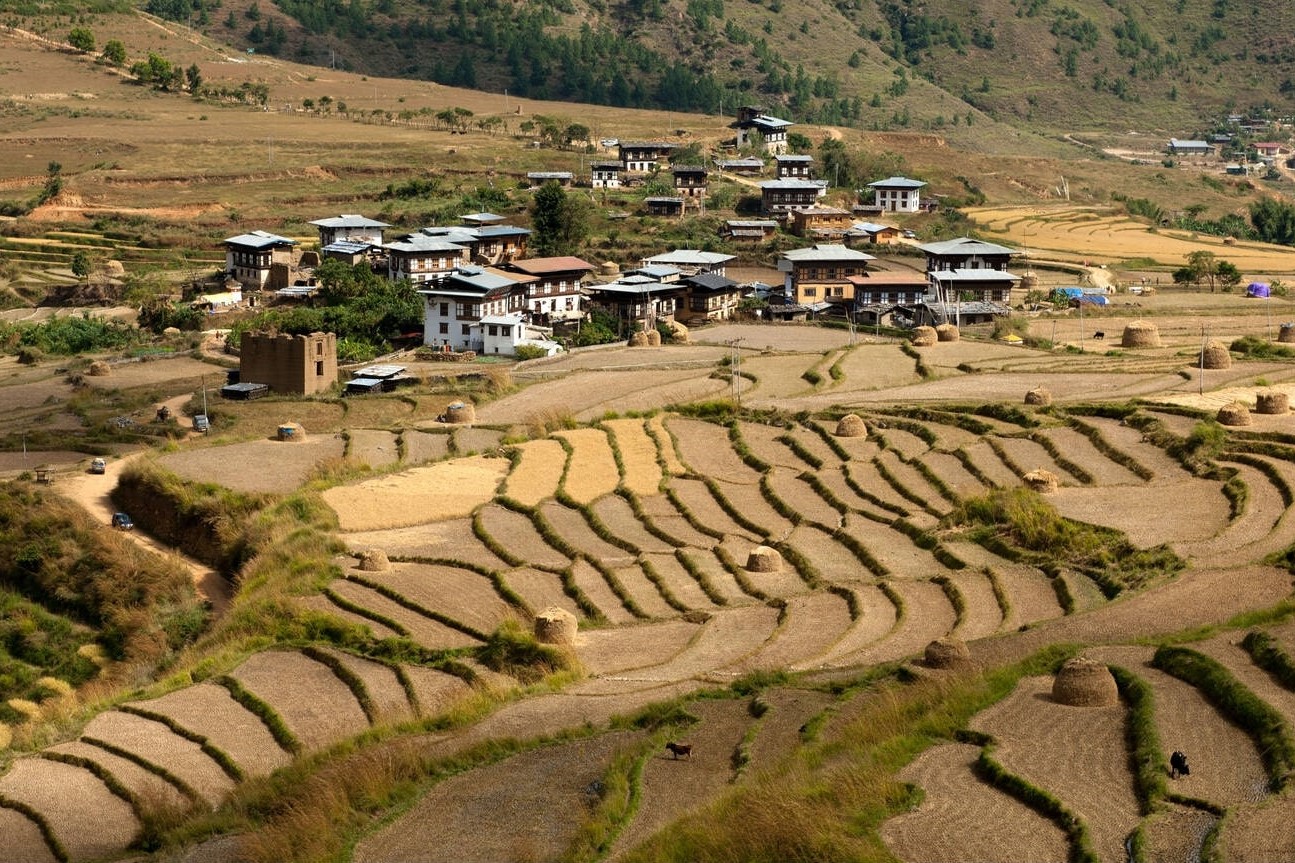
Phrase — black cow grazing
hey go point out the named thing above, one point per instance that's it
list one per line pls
(1178, 765)
(680, 749)
(1099, 335)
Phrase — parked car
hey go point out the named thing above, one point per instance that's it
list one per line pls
(122, 521)
(201, 423)
(98, 465)
(910, 235)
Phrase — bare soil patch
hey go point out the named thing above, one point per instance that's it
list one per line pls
(260, 466)
(866, 476)
(665, 445)
(638, 455)
(431, 634)
(1199, 512)
(677, 580)
(589, 395)
(144, 784)
(705, 448)
(877, 617)
(927, 615)
(955, 476)
(620, 650)
(660, 512)
(88, 820)
(472, 439)
(874, 367)
(154, 372)
(1260, 833)
(591, 583)
(1029, 455)
(801, 497)
(424, 446)
(12, 463)
(833, 561)
(376, 448)
(156, 743)
(615, 512)
(642, 592)
(813, 623)
(981, 615)
(694, 495)
(576, 532)
(452, 539)
(893, 550)
(763, 442)
(21, 840)
(390, 702)
(778, 376)
(1080, 450)
(721, 580)
(986, 460)
(754, 508)
(307, 695)
(781, 584)
(438, 491)
(539, 589)
(907, 444)
(775, 337)
(537, 471)
(459, 594)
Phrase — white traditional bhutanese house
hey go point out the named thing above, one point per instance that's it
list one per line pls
(251, 258)
(554, 292)
(898, 194)
(504, 334)
(349, 229)
(690, 262)
(456, 304)
(421, 258)
(753, 124)
(605, 175)
(637, 298)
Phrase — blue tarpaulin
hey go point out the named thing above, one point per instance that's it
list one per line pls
(1258, 289)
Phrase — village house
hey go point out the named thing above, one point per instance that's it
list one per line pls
(481, 220)
(890, 288)
(349, 229)
(824, 272)
(875, 233)
(792, 167)
(641, 157)
(780, 197)
(709, 297)
(504, 334)
(1182, 147)
(666, 274)
(638, 300)
(689, 180)
(959, 313)
(667, 207)
(898, 194)
(539, 178)
(605, 175)
(554, 295)
(689, 262)
(749, 229)
(287, 363)
(453, 306)
(988, 286)
(422, 259)
(259, 260)
(488, 245)
(741, 167)
(753, 127)
(968, 254)
(1268, 150)
(820, 221)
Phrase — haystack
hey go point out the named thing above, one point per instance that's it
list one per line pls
(764, 559)
(555, 625)
(1234, 414)
(1038, 396)
(851, 425)
(1215, 356)
(1084, 682)
(1042, 481)
(679, 332)
(292, 433)
(654, 338)
(1272, 402)
(374, 560)
(947, 652)
(1287, 333)
(460, 412)
(638, 340)
(114, 269)
(924, 337)
(99, 369)
(1140, 334)
(947, 333)
(171, 332)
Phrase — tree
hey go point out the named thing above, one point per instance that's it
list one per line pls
(560, 221)
(114, 53)
(81, 39)
(1205, 268)
(81, 265)
(193, 78)
(1228, 275)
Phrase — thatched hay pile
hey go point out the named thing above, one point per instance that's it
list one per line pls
(1038, 396)
(639, 340)
(114, 269)
(1287, 333)
(1234, 414)
(679, 332)
(924, 337)
(1042, 481)
(99, 369)
(764, 559)
(1215, 356)
(292, 433)
(1084, 682)
(460, 412)
(555, 625)
(654, 338)
(947, 652)
(1140, 334)
(1272, 402)
(947, 333)
(851, 425)
(374, 560)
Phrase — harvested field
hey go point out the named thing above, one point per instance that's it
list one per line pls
(706, 450)
(701, 505)
(377, 448)
(755, 509)
(784, 583)
(638, 455)
(317, 706)
(778, 376)
(1200, 511)
(155, 372)
(13, 463)
(571, 526)
(390, 702)
(1226, 768)
(962, 818)
(539, 589)
(876, 619)
(981, 616)
(655, 426)
(155, 743)
(816, 446)
(424, 446)
(435, 690)
(622, 649)
(459, 594)
(678, 581)
(379, 412)
(592, 471)
(832, 560)
(536, 472)
(1260, 832)
(21, 840)
(1028, 455)
(950, 471)
(763, 442)
(590, 396)
(1038, 740)
(1030, 595)
(591, 583)
(801, 497)
(1178, 833)
(610, 358)
(866, 476)
(615, 512)
(149, 788)
(1226, 649)
(323, 605)
(448, 540)
(642, 592)
(834, 481)
(261, 466)
(211, 711)
(467, 440)
(780, 728)
(1080, 450)
(262, 417)
(431, 634)
(874, 367)
(660, 512)
(475, 817)
(894, 550)
(812, 624)
(899, 440)
(423, 494)
(671, 788)
(721, 580)
(927, 615)
(87, 819)
(776, 337)
(515, 534)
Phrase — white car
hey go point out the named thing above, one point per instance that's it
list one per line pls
(608, 143)
(98, 465)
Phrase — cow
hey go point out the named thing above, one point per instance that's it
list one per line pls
(679, 749)
(1099, 335)
(1178, 765)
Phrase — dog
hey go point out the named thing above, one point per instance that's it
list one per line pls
(679, 749)
(1178, 765)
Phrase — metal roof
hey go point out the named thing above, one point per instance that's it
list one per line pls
(259, 240)
(689, 257)
(379, 371)
(827, 252)
(980, 275)
(349, 221)
(897, 183)
(966, 246)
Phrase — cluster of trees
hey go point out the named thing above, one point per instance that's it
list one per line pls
(1205, 267)
(559, 222)
(162, 74)
(66, 336)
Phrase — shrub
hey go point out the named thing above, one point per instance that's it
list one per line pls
(529, 352)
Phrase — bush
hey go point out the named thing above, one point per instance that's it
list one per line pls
(529, 352)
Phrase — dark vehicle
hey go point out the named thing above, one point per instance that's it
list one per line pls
(201, 423)
(121, 521)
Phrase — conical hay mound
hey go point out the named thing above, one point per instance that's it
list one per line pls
(1141, 334)
(374, 560)
(460, 412)
(555, 625)
(1234, 414)
(947, 333)
(654, 338)
(638, 340)
(1084, 682)
(1041, 480)
(1272, 402)
(1216, 356)
(764, 559)
(99, 369)
(1038, 396)
(851, 425)
(947, 652)
(1286, 333)
(924, 337)
(292, 433)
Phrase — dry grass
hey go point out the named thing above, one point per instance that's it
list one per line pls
(592, 470)
(439, 491)
(537, 471)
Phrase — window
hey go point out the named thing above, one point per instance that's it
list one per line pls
(467, 330)
(319, 369)
(811, 292)
(445, 310)
(443, 328)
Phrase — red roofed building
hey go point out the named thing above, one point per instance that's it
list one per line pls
(554, 292)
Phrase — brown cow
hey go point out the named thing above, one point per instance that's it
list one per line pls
(678, 749)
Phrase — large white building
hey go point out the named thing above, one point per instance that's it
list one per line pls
(457, 304)
(898, 194)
